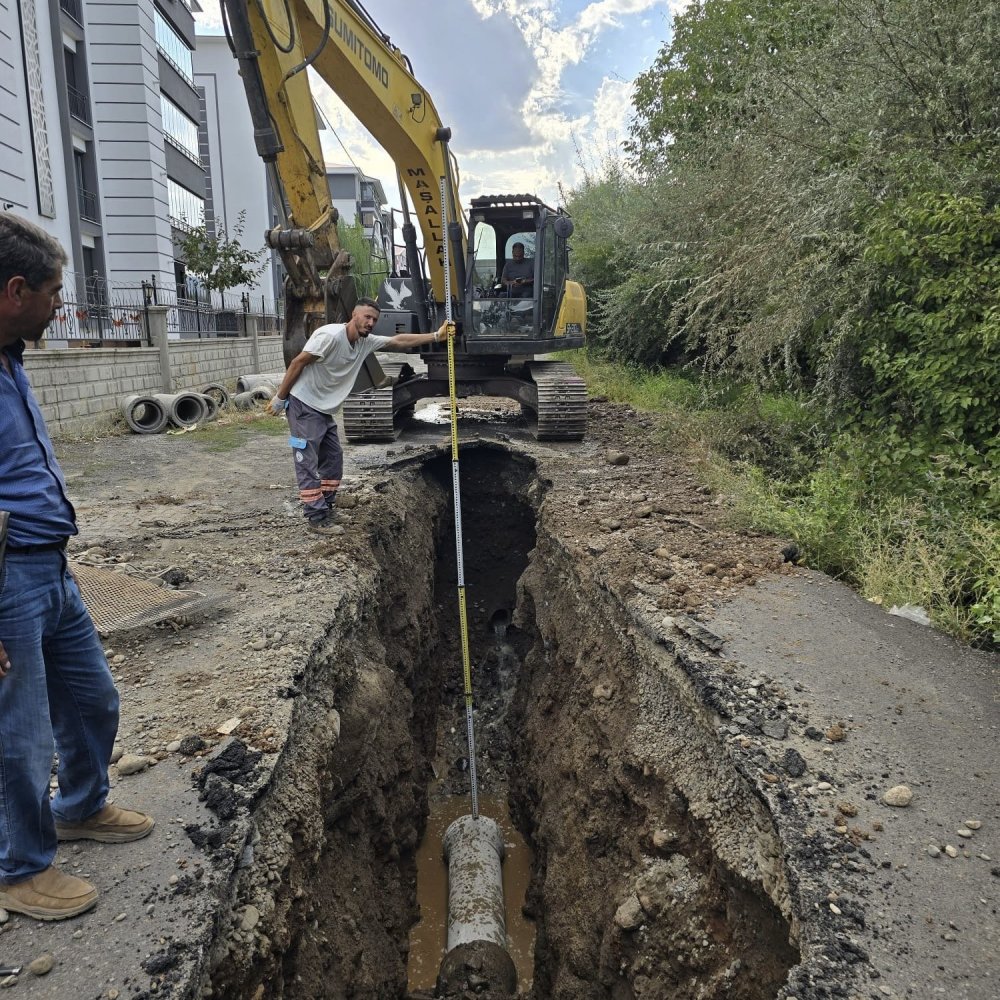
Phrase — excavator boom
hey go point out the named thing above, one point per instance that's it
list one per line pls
(276, 42)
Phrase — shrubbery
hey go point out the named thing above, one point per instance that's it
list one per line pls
(809, 207)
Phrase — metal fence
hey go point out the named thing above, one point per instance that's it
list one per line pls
(109, 317)
(201, 314)
(101, 324)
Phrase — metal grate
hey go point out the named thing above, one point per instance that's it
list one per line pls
(117, 601)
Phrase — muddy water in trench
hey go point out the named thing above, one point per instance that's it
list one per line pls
(499, 533)
(428, 939)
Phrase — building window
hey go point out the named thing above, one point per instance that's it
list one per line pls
(179, 129)
(173, 47)
(79, 105)
(186, 209)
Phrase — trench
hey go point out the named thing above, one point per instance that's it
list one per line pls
(642, 864)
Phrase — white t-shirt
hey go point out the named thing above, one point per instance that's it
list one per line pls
(325, 384)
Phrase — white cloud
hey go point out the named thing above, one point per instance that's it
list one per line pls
(512, 79)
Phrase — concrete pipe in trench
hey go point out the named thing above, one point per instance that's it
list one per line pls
(247, 382)
(145, 414)
(477, 923)
(184, 409)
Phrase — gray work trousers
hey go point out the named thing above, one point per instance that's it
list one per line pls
(319, 458)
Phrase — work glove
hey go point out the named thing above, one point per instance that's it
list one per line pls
(278, 406)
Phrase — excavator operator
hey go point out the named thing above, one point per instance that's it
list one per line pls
(317, 382)
(518, 275)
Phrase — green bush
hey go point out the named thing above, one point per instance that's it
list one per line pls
(370, 268)
(933, 344)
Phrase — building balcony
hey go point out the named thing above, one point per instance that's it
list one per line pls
(88, 204)
(74, 8)
(79, 105)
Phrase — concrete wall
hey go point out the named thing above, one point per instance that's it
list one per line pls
(77, 387)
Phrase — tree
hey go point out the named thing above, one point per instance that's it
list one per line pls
(219, 261)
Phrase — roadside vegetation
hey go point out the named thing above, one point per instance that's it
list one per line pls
(797, 259)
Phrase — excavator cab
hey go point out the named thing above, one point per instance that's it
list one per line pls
(502, 329)
(546, 312)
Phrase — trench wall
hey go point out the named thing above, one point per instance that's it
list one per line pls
(632, 802)
(77, 387)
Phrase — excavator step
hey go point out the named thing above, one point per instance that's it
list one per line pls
(562, 401)
(368, 416)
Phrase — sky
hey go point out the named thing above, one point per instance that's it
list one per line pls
(535, 91)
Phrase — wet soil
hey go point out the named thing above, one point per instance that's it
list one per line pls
(655, 776)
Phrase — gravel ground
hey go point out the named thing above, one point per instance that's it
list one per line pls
(835, 702)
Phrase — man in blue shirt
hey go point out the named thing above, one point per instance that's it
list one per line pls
(56, 689)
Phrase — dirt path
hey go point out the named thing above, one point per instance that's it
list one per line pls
(288, 871)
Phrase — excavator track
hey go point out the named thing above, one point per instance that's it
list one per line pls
(562, 401)
(368, 416)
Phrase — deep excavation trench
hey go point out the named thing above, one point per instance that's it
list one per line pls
(656, 873)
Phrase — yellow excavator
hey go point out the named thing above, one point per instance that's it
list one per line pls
(499, 333)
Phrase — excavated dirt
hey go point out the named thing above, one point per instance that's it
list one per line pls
(297, 737)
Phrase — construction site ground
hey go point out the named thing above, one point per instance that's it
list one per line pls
(708, 818)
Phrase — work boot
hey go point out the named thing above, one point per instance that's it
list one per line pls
(325, 526)
(49, 895)
(110, 826)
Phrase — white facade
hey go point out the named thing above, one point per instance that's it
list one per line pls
(84, 150)
(237, 180)
(125, 86)
(31, 131)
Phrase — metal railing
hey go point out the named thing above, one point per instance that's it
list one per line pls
(79, 104)
(194, 311)
(100, 323)
(117, 316)
(88, 204)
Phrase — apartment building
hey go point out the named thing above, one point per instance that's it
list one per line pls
(99, 133)
(358, 198)
(236, 181)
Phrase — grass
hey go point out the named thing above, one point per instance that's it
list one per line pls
(231, 430)
(895, 541)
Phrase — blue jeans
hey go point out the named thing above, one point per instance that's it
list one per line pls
(58, 694)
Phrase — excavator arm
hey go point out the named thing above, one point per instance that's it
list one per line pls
(275, 42)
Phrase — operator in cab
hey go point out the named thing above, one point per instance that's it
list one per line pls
(518, 275)
(317, 382)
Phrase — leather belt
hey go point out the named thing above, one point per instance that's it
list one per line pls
(23, 550)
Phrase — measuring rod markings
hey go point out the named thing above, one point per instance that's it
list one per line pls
(463, 620)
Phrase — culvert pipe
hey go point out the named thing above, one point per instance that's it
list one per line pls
(477, 924)
(247, 382)
(218, 392)
(144, 414)
(253, 398)
(184, 409)
(211, 405)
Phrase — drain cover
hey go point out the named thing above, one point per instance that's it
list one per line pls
(117, 601)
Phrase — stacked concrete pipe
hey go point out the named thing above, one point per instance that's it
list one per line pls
(218, 392)
(477, 923)
(184, 409)
(211, 405)
(251, 399)
(145, 414)
(245, 383)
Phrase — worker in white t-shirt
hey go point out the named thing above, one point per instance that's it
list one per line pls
(315, 386)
